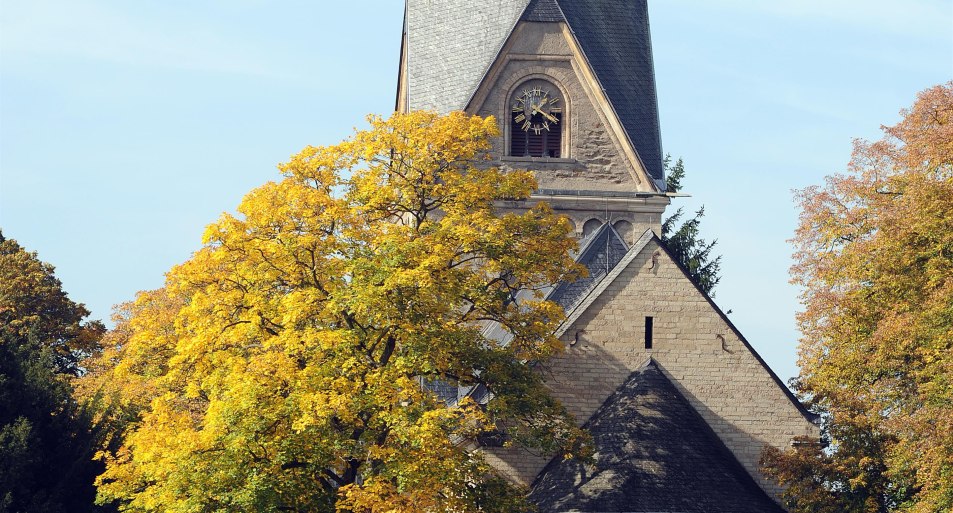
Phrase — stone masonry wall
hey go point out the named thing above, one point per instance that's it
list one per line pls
(593, 158)
(693, 345)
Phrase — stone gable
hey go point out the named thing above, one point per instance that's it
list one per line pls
(597, 54)
(599, 177)
(694, 346)
(594, 157)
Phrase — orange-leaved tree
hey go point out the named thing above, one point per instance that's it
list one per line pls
(285, 366)
(875, 258)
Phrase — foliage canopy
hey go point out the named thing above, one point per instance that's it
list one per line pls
(284, 366)
(33, 303)
(46, 441)
(875, 257)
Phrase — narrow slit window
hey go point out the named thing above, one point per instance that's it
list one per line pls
(648, 332)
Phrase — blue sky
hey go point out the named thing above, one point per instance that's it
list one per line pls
(126, 127)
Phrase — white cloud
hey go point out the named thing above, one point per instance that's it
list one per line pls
(92, 30)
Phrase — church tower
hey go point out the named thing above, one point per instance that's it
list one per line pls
(679, 404)
(572, 85)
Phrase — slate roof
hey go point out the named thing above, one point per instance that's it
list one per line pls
(543, 11)
(614, 35)
(452, 43)
(601, 252)
(654, 453)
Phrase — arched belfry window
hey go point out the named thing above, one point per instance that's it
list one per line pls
(537, 117)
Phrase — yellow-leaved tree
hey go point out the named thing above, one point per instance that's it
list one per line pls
(285, 366)
(875, 258)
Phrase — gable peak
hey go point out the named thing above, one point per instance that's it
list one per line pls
(543, 11)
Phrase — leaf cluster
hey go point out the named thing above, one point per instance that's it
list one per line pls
(874, 255)
(284, 366)
(47, 439)
(33, 303)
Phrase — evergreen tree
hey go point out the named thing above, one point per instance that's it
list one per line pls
(684, 241)
(46, 439)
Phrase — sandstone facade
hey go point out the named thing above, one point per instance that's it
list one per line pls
(693, 343)
(596, 55)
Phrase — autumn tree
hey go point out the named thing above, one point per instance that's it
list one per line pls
(284, 367)
(46, 438)
(684, 240)
(33, 302)
(874, 255)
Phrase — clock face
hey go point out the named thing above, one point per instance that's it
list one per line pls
(536, 110)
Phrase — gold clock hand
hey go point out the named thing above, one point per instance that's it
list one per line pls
(545, 115)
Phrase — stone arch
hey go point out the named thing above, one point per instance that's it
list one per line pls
(556, 80)
(590, 227)
(624, 229)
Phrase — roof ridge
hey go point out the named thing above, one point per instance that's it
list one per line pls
(543, 11)
(597, 289)
(633, 101)
(653, 449)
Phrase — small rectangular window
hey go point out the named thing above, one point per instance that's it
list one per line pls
(648, 333)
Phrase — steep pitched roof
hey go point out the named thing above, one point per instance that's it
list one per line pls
(451, 44)
(543, 10)
(654, 453)
(600, 253)
(614, 35)
(593, 293)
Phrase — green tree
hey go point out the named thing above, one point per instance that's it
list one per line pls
(283, 367)
(684, 241)
(46, 440)
(874, 255)
(32, 302)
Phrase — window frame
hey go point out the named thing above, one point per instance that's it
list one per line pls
(564, 119)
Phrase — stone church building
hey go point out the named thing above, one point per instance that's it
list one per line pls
(679, 404)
